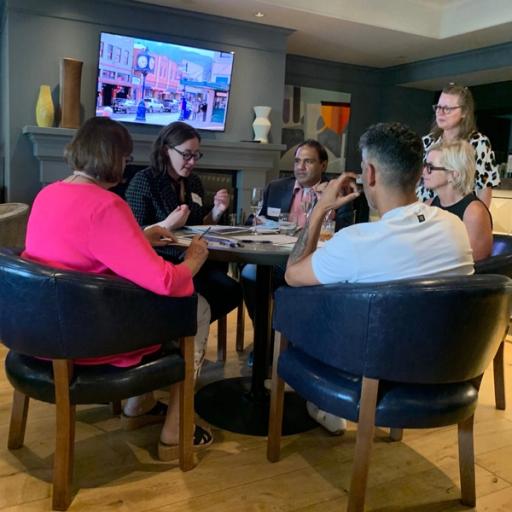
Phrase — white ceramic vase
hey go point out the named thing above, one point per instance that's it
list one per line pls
(261, 124)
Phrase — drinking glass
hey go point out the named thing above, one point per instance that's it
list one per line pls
(256, 204)
(307, 202)
(287, 224)
(327, 230)
(233, 219)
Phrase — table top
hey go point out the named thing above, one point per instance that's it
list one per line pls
(257, 253)
(253, 252)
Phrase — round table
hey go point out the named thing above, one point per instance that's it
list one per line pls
(242, 404)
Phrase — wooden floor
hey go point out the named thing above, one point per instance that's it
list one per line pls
(118, 471)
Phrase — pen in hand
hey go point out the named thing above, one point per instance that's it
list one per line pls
(204, 232)
(181, 257)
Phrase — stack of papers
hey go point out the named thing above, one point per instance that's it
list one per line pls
(216, 229)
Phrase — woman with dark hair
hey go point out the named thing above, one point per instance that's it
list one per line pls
(170, 195)
(455, 119)
(78, 224)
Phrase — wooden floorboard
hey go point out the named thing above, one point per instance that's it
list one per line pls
(118, 471)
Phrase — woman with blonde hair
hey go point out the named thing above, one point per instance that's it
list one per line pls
(449, 171)
(455, 120)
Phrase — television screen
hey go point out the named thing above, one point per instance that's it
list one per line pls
(155, 83)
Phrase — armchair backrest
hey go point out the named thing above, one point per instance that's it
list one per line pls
(501, 244)
(54, 313)
(424, 330)
(500, 261)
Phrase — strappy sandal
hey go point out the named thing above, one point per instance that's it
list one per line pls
(156, 414)
(202, 439)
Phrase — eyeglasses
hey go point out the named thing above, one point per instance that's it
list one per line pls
(430, 167)
(188, 155)
(444, 109)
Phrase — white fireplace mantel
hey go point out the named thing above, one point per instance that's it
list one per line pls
(256, 163)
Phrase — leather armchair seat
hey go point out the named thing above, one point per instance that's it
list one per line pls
(402, 354)
(92, 384)
(398, 405)
(62, 315)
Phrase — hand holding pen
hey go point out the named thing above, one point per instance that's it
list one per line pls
(196, 253)
(182, 255)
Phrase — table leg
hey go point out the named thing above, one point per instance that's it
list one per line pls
(262, 331)
(242, 404)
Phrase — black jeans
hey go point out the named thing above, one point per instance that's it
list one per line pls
(221, 291)
(212, 282)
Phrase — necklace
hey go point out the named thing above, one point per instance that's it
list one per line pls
(83, 174)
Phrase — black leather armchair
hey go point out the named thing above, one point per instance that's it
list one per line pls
(500, 262)
(403, 354)
(61, 315)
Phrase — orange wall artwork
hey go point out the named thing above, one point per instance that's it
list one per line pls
(316, 114)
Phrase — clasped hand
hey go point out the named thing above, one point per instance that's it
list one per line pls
(220, 203)
(177, 218)
(335, 193)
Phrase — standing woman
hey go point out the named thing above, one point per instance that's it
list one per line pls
(78, 224)
(170, 195)
(455, 119)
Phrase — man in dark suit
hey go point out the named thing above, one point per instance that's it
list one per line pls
(290, 195)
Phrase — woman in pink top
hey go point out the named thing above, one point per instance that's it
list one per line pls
(79, 224)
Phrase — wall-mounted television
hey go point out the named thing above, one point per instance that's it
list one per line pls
(154, 83)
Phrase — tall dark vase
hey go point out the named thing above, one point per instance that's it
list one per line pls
(70, 83)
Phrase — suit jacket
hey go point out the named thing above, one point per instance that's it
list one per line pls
(279, 194)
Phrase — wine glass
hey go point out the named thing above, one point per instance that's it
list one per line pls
(307, 202)
(256, 204)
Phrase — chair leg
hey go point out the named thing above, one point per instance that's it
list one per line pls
(116, 408)
(240, 327)
(186, 448)
(222, 328)
(275, 423)
(365, 430)
(65, 436)
(18, 422)
(467, 462)
(396, 434)
(498, 365)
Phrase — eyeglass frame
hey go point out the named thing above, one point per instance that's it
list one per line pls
(429, 168)
(188, 156)
(445, 109)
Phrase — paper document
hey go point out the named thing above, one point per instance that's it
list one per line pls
(216, 229)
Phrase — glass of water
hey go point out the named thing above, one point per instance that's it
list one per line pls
(287, 224)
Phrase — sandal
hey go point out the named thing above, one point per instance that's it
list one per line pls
(156, 414)
(202, 439)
